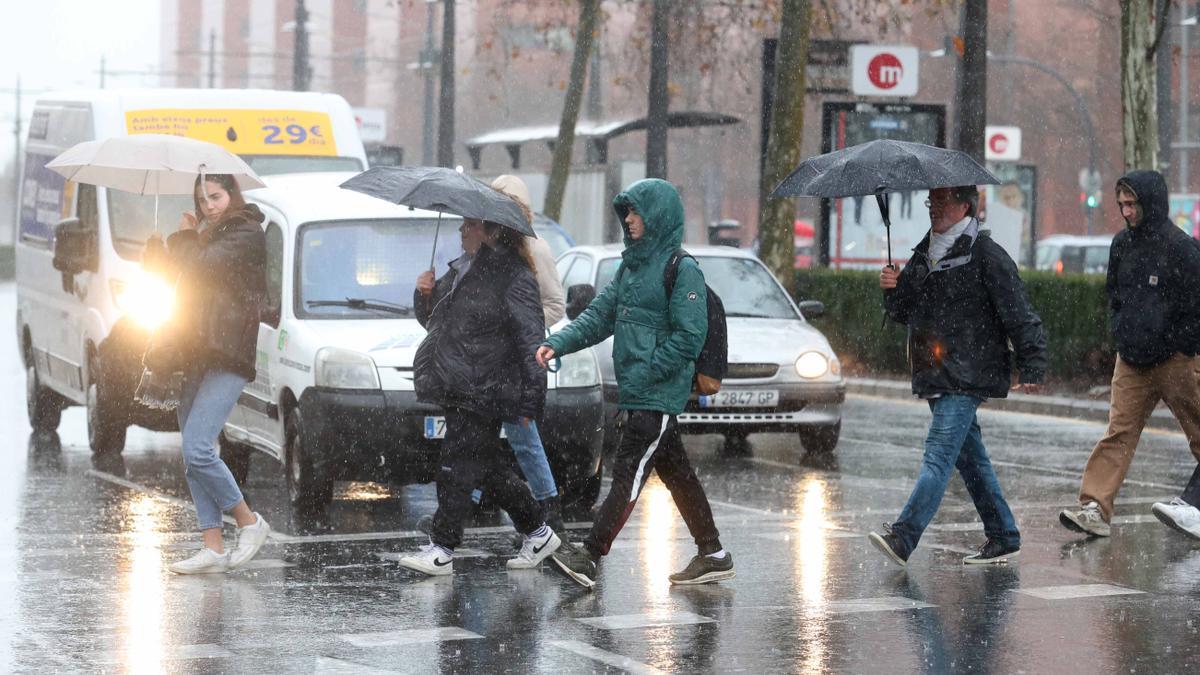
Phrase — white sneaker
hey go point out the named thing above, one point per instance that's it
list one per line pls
(1178, 515)
(1087, 520)
(207, 561)
(534, 550)
(431, 559)
(249, 539)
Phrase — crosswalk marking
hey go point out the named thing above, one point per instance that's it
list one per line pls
(1075, 591)
(411, 636)
(325, 665)
(648, 620)
(168, 653)
(883, 604)
(607, 658)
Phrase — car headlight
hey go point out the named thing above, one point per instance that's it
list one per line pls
(812, 365)
(145, 297)
(578, 370)
(344, 369)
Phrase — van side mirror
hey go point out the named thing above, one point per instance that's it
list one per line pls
(812, 309)
(579, 297)
(75, 250)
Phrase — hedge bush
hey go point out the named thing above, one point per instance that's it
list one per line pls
(1073, 309)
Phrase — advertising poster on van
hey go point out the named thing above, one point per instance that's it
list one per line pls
(45, 199)
(242, 131)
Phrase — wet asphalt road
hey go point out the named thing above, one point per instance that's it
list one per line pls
(84, 586)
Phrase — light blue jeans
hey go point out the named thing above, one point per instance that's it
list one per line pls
(527, 446)
(207, 398)
(954, 441)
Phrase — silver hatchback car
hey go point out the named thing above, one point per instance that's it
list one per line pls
(783, 375)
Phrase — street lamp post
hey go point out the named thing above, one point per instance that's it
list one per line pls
(427, 59)
(1184, 80)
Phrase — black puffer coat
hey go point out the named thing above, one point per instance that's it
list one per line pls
(961, 320)
(221, 291)
(483, 336)
(1153, 280)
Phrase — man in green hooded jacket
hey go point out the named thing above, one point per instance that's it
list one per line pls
(656, 341)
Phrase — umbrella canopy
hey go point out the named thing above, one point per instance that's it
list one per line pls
(882, 166)
(442, 190)
(150, 164)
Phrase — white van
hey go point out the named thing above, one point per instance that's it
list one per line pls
(333, 394)
(84, 307)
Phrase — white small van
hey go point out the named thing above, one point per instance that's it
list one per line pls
(333, 395)
(84, 307)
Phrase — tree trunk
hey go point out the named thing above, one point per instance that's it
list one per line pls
(445, 150)
(1139, 89)
(971, 81)
(659, 99)
(560, 164)
(776, 225)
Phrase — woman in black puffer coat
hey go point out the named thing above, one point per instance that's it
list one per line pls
(219, 260)
(484, 321)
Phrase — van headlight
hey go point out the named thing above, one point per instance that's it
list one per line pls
(343, 369)
(578, 370)
(145, 297)
(812, 365)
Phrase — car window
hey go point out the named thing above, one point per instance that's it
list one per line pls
(1095, 259)
(564, 264)
(371, 260)
(746, 288)
(1047, 255)
(269, 165)
(131, 219)
(558, 243)
(274, 274)
(605, 272)
(580, 272)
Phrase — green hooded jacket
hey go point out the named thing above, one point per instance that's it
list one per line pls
(656, 338)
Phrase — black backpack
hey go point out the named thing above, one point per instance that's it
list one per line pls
(713, 361)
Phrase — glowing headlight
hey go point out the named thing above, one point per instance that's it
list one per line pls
(344, 369)
(146, 298)
(579, 370)
(812, 365)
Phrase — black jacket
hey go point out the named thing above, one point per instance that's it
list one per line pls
(1153, 280)
(962, 317)
(220, 292)
(483, 334)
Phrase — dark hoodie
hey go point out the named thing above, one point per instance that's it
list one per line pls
(1153, 280)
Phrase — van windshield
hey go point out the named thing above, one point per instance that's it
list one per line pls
(354, 269)
(131, 218)
(270, 165)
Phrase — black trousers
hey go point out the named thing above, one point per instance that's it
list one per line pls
(472, 457)
(1191, 493)
(650, 440)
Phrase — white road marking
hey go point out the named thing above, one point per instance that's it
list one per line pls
(1075, 591)
(411, 636)
(648, 620)
(169, 653)
(607, 658)
(884, 604)
(325, 665)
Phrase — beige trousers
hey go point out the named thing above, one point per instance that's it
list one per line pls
(1135, 393)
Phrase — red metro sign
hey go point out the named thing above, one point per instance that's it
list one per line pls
(884, 70)
(1002, 144)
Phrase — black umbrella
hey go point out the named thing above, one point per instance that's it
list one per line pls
(879, 167)
(443, 190)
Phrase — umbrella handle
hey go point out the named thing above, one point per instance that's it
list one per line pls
(433, 256)
(881, 198)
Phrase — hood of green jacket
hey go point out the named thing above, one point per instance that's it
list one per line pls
(661, 209)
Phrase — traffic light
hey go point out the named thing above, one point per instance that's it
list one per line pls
(1089, 200)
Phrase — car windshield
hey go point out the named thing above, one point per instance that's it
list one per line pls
(367, 269)
(270, 165)
(746, 288)
(131, 218)
(558, 243)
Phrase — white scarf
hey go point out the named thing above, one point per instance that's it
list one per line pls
(939, 244)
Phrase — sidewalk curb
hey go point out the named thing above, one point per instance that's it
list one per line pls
(1057, 406)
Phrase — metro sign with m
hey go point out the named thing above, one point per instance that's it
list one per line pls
(884, 70)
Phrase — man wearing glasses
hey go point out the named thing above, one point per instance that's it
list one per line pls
(1154, 303)
(964, 304)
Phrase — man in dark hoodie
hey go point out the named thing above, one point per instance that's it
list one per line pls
(1153, 292)
(964, 304)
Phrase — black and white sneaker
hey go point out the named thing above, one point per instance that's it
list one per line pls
(992, 552)
(890, 545)
(431, 559)
(537, 547)
(704, 569)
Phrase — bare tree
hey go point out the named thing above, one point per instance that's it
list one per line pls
(1139, 88)
(560, 164)
(777, 247)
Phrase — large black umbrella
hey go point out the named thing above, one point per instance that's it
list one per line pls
(880, 167)
(443, 190)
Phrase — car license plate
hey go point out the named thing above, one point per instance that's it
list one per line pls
(435, 427)
(741, 398)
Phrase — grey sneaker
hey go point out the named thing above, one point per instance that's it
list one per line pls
(207, 561)
(1087, 520)
(576, 564)
(889, 544)
(704, 569)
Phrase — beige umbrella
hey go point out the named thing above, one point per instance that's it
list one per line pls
(151, 164)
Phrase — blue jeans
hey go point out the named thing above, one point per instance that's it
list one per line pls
(207, 398)
(531, 457)
(954, 441)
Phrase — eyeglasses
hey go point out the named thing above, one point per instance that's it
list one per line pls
(929, 203)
